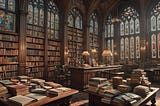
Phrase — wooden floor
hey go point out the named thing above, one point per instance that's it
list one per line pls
(81, 99)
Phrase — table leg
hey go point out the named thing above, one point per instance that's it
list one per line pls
(153, 101)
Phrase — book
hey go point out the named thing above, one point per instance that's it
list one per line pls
(36, 96)
(21, 100)
(55, 91)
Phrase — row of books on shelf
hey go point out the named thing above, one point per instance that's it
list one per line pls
(35, 52)
(8, 74)
(34, 58)
(8, 59)
(54, 43)
(53, 48)
(54, 53)
(11, 45)
(34, 40)
(8, 52)
(35, 63)
(35, 28)
(53, 63)
(8, 37)
(35, 46)
(73, 29)
(24, 90)
(36, 34)
(8, 67)
(54, 58)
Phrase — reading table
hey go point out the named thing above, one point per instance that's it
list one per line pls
(62, 99)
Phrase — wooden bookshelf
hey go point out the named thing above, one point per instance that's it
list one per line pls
(35, 41)
(75, 45)
(9, 53)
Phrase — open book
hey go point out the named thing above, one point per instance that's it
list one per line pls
(21, 100)
(35, 96)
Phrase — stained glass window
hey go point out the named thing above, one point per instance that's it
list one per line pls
(7, 15)
(132, 47)
(53, 21)
(93, 34)
(155, 28)
(109, 33)
(122, 48)
(130, 30)
(36, 12)
(93, 31)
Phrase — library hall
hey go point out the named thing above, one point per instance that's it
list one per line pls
(79, 52)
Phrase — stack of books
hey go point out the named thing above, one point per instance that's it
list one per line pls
(124, 88)
(18, 89)
(139, 77)
(117, 81)
(109, 95)
(103, 89)
(3, 90)
(97, 82)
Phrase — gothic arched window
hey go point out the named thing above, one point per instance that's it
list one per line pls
(155, 31)
(129, 32)
(93, 34)
(53, 21)
(109, 34)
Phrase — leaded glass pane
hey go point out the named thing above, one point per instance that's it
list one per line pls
(41, 23)
(122, 48)
(105, 31)
(132, 47)
(96, 27)
(137, 26)
(49, 19)
(122, 28)
(112, 31)
(137, 47)
(11, 5)
(30, 14)
(158, 22)
(91, 26)
(52, 21)
(2, 20)
(109, 45)
(153, 23)
(10, 22)
(153, 47)
(2, 4)
(131, 26)
(126, 48)
(77, 22)
(70, 20)
(126, 28)
(35, 15)
(109, 30)
(159, 45)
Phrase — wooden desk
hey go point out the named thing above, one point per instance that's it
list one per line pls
(153, 74)
(95, 99)
(63, 99)
(81, 75)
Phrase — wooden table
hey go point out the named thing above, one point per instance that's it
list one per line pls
(62, 99)
(81, 75)
(95, 99)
